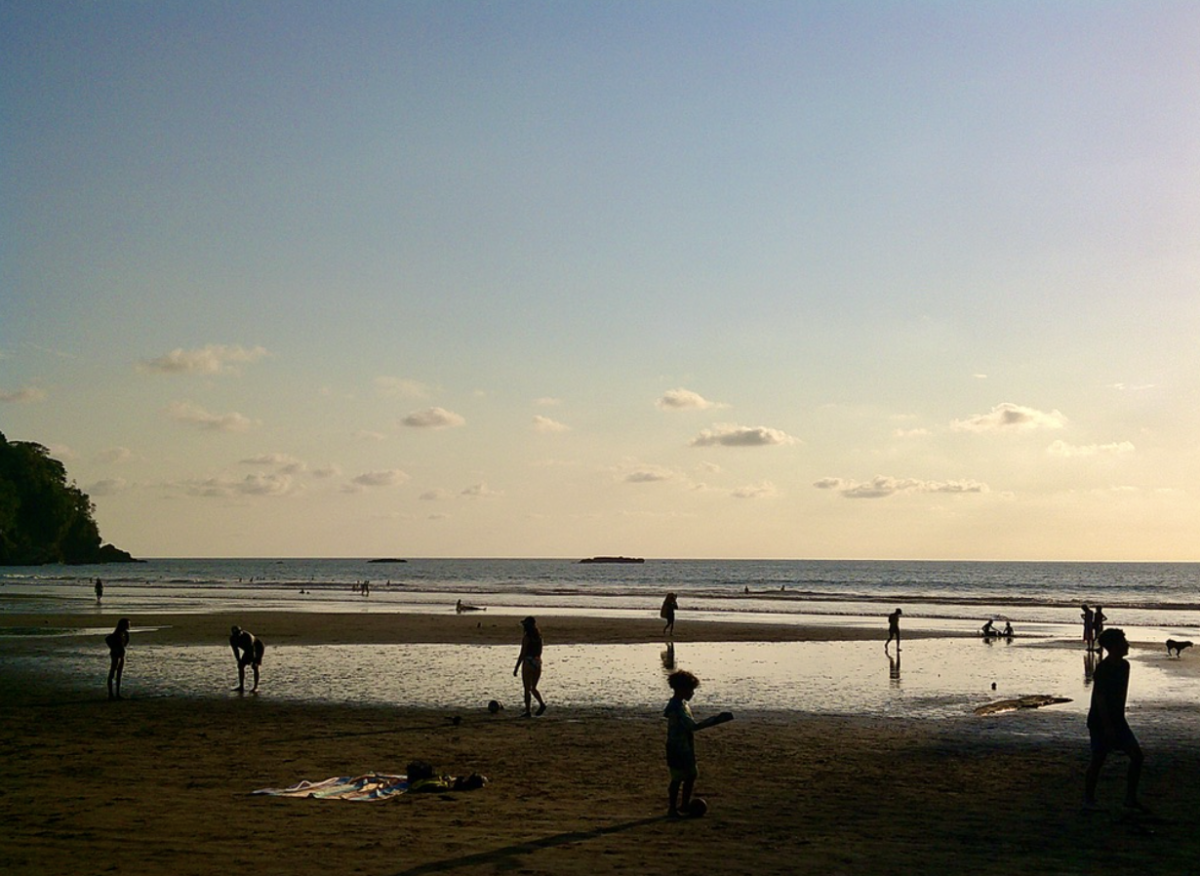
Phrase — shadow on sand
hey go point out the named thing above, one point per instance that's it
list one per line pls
(495, 856)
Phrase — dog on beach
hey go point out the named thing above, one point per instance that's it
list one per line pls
(1177, 647)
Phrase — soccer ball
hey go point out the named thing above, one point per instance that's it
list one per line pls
(697, 807)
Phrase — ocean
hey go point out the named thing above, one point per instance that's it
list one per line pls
(937, 678)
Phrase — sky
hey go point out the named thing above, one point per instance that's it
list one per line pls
(838, 280)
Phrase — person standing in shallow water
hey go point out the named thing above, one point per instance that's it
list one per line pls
(248, 650)
(117, 641)
(529, 663)
(1089, 626)
(893, 629)
(667, 613)
(1107, 727)
(99, 589)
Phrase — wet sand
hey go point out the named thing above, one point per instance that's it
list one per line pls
(162, 785)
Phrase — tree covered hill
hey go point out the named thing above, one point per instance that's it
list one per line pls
(43, 518)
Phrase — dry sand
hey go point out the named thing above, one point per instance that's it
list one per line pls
(149, 786)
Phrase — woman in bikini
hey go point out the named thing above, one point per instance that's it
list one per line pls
(530, 665)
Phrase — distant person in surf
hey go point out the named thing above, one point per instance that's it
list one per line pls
(667, 613)
(1107, 727)
(99, 589)
(893, 629)
(461, 606)
(117, 641)
(248, 651)
(529, 663)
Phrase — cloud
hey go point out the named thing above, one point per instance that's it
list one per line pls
(251, 485)
(881, 487)
(1131, 387)
(437, 495)
(62, 452)
(186, 412)
(285, 462)
(213, 359)
(115, 455)
(401, 387)
(433, 418)
(649, 474)
(911, 433)
(481, 491)
(548, 426)
(1062, 448)
(765, 490)
(108, 487)
(741, 436)
(25, 395)
(685, 400)
(327, 471)
(391, 477)
(1008, 417)
(547, 401)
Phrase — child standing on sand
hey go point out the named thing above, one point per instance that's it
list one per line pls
(681, 743)
(1106, 722)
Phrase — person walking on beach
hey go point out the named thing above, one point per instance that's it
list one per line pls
(893, 629)
(1098, 619)
(1089, 626)
(530, 665)
(667, 612)
(681, 742)
(248, 650)
(1107, 727)
(117, 641)
(99, 589)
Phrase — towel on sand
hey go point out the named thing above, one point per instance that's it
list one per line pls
(366, 788)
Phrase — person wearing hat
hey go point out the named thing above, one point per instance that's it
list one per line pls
(530, 665)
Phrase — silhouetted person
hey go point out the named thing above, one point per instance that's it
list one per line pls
(893, 629)
(681, 743)
(667, 612)
(1008, 630)
(117, 641)
(988, 630)
(529, 662)
(1098, 619)
(99, 589)
(1106, 722)
(248, 650)
(1089, 626)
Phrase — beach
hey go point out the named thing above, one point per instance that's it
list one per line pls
(163, 784)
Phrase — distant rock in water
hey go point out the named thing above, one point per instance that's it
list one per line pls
(613, 560)
(387, 560)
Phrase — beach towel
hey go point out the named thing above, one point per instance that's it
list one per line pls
(360, 789)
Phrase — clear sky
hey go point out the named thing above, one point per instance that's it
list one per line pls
(811, 279)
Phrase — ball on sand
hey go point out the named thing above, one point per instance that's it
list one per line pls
(697, 807)
(494, 707)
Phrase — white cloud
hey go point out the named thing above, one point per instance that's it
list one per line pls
(401, 387)
(284, 462)
(107, 487)
(251, 485)
(741, 436)
(764, 490)
(390, 477)
(649, 474)
(115, 455)
(186, 412)
(213, 359)
(25, 395)
(1132, 387)
(1009, 417)
(433, 418)
(481, 491)
(883, 486)
(1062, 448)
(685, 400)
(548, 426)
